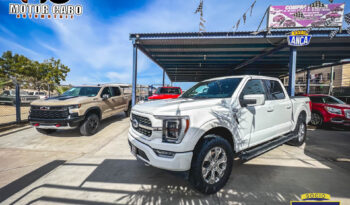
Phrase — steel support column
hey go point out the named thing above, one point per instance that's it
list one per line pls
(134, 72)
(18, 103)
(163, 78)
(292, 70)
(308, 81)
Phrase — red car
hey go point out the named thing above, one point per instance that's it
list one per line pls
(166, 93)
(327, 109)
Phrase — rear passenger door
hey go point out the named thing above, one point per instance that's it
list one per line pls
(280, 106)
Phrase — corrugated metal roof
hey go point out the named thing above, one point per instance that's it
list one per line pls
(188, 57)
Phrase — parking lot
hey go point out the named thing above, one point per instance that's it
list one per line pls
(67, 168)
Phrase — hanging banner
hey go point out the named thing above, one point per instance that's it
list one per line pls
(301, 16)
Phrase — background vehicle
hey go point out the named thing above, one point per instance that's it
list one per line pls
(9, 97)
(166, 93)
(83, 107)
(327, 110)
(42, 95)
(215, 120)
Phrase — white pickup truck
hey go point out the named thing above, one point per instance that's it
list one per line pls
(215, 121)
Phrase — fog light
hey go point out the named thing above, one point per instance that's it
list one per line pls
(162, 153)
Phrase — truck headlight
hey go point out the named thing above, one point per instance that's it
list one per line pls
(334, 110)
(174, 128)
(72, 107)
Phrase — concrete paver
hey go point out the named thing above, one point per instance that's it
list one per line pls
(100, 170)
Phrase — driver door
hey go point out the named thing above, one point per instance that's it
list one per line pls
(254, 121)
(107, 104)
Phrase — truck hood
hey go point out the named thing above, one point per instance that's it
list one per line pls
(174, 106)
(62, 100)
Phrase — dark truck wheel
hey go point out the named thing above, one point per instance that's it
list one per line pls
(45, 131)
(211, 164)
(300, 131)
(90, 125)
(127, 112)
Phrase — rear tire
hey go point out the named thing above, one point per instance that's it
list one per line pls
(45, 131)
(211, 164)
(127, 112)
(90, 125)
(300, 131)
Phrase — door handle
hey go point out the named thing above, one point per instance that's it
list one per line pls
(270, 110)
(288, 107)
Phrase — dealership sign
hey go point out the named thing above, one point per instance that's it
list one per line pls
(301, 16)
(299, 38)
(58, 9)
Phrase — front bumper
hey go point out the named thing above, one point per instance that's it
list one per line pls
(180, 161)
(340, 121)
(66, 123)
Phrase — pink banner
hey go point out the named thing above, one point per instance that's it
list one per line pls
(301, 16)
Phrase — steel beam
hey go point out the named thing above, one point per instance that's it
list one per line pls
(292, 70)
(134, 72)
(308, 81)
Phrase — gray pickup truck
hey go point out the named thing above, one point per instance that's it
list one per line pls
(9, 97)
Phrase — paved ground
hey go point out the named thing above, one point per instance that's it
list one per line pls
(8, 113)
(69, 169)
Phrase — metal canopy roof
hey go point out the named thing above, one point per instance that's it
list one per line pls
(191, 57)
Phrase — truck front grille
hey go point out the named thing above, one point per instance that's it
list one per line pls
(48, 112)
(142, 120)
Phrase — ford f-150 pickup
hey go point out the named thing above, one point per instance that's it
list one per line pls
(214, 121)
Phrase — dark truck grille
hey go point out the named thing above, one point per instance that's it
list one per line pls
(142, 121)
(49, 112)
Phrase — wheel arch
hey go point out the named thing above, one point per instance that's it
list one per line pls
(95, 110)
(220, 131)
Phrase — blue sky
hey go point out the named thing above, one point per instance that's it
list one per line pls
(96, 45)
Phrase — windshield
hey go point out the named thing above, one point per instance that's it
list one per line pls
(326, 100)
(213, 89)
(174, 91)
(82, 91)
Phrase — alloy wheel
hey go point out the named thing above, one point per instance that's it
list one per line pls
(214, 165)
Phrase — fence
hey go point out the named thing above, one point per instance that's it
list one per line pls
(15, 102)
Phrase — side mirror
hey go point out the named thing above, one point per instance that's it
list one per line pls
(105, 96)
(253, 100)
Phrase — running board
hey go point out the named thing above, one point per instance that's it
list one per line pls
(260, 149)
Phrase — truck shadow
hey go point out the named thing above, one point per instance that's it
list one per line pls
(103, 124)
(123, 181)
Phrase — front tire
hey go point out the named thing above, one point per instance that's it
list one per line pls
(300, 131)
(45, 131)
(316, 119)
(211, 164)
(90, 125)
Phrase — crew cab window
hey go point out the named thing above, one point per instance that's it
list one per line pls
(275, 90)
(253, 87)
(106, 90)
(116, 91)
